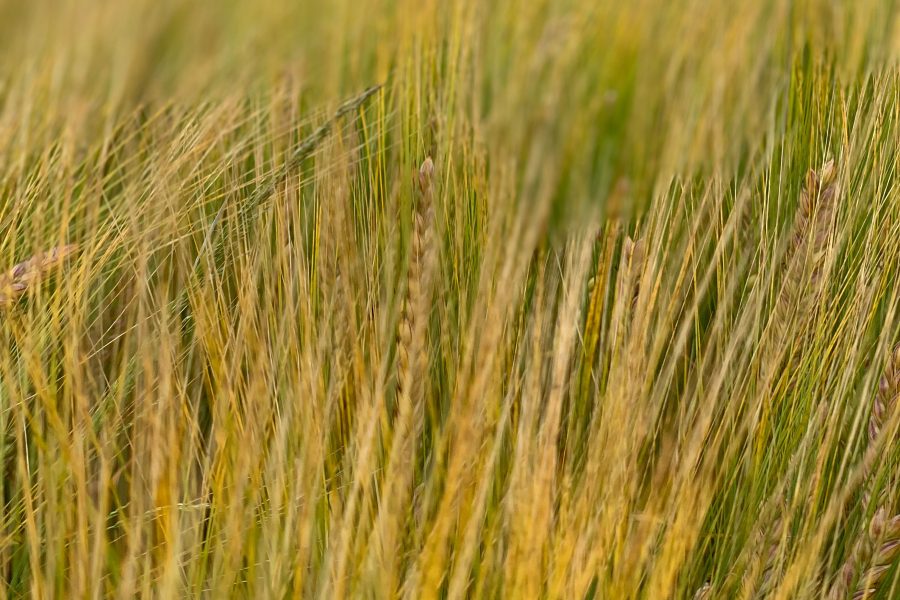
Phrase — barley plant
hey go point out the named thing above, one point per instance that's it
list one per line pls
(575, 299)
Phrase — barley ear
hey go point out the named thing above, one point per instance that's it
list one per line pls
(703, 592)
(805, 259)
(886, 396)
(418, 276)
(884, 531)
(29, 273)
(767, 546)
(382, 561)
(886, 534)
(879, 544)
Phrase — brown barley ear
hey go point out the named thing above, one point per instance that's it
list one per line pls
(879, 544)
(885, 533)
(884, 402)
(28, 273)
(886, 396)
(772, 570)
(805, 259)
(766, 568)
(703, 592)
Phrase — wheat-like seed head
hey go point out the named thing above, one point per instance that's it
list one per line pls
(806, 256)
(420, 256)
(885, 532)
(703, 592)
(879, 545)
(28, 273)
(767, 565)
(634, 255)
(816, 204)
(886, 397)
(412, 363)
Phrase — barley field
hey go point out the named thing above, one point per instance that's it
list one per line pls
(569, 299)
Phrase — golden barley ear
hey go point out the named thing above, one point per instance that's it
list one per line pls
(385, 547)
(418, 274)
(28, 273)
